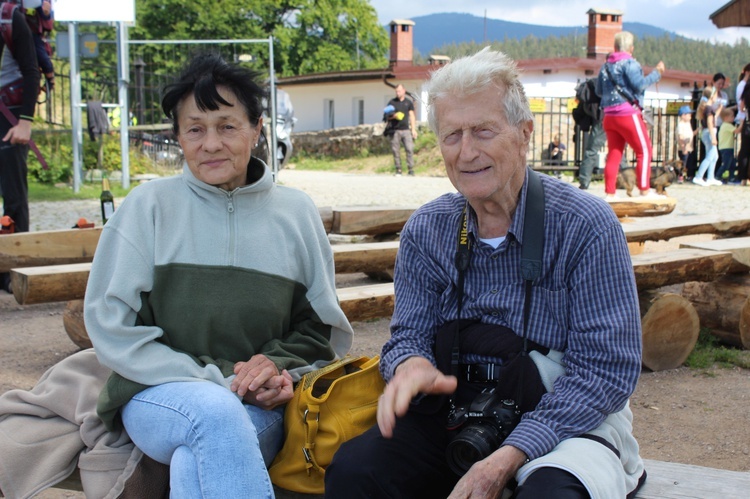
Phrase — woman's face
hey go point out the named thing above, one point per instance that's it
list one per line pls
(217, 144)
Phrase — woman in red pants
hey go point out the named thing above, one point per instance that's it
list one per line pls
(621, 85)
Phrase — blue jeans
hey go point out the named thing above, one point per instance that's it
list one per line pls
(215, 445)
(727, 164)
(712, 154)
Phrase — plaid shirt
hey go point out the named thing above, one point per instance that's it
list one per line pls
(584, 303)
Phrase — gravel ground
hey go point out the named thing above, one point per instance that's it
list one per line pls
(352, 189)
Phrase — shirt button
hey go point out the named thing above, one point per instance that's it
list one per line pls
(512, 243)
(495, 314)
(493, 291)
(494, 257)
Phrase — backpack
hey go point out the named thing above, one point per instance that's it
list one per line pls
(587, 113)
(36, 23)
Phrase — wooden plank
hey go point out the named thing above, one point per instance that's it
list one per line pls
(49, 283)
(684, 481)
(361, 303)
(68, 282)
(664, 228)
(365, 257)
(654, 270)
(370, 220)
(53, 247)
(637, 207)
(739, 247)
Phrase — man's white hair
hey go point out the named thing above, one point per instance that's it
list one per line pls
(485, 69)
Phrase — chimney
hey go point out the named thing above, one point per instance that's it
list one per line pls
(604, 24)
(402, 42)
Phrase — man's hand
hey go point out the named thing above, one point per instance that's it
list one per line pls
(259, 382)
(660, 67)
(19, 134)
(414, 375)
(487, 478)
(414, 134)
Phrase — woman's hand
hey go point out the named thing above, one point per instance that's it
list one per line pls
(275, 392)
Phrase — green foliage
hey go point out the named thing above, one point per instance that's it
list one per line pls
(708, 351)
(56, 147)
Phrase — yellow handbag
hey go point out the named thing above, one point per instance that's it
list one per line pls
(329, 407)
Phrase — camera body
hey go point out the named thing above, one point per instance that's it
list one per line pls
(482, 427)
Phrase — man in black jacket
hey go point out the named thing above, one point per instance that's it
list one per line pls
(19, 67)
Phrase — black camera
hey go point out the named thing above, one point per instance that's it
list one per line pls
(482, 428)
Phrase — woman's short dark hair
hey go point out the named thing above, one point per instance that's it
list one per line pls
(201, 77)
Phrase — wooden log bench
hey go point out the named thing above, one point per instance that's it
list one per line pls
(58, 247)
(68, 282)
(665, 481)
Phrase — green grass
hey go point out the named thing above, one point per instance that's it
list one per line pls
(48, 192)
(709, 352)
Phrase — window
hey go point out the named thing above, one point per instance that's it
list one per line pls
(328, 113)
(358, 108)
(405, 28)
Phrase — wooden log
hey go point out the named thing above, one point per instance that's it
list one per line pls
(51, 283)
(739, 247)
(723, 305)
(74, 325)
(53, 247)
(68, 282)
(664, 228)
(684, 481)
(670, 328)
(637, 207)
(369, 220)
(365, 257)
(654, 270)
(361, 303)
(326, 216)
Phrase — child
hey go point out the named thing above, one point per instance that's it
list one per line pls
(685, 134)
(727, 131)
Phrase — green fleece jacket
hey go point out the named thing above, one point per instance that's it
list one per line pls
(188, 279)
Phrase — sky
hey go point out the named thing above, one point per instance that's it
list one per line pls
(684, 17)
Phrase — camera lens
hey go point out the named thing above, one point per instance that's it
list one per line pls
(474, 443)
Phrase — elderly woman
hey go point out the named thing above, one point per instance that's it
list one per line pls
(210, 294)
(621, 85)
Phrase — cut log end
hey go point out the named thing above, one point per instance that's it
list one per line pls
(74, 325)
(670, 327)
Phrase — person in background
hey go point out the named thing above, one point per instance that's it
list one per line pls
(402, 122)
(210, 293)
(621, 85)
(741, 82)
(727, 132)
(19, 70)
(685, 135)
(484, 125)
(705, 116)
(743, 105)
(555, 151)
(720, 83)
(40, 17)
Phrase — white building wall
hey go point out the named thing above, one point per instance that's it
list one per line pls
(310, 100)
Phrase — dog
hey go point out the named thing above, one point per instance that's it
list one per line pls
(661, 177)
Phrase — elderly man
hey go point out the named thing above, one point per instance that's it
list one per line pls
(460, 259)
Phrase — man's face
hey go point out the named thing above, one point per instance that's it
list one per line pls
(400, 92)
(484, 156)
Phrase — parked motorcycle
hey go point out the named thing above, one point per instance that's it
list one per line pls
(285, 121)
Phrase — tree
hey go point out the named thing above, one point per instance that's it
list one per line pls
(310, 35)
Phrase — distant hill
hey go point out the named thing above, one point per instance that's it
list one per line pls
(435, 30)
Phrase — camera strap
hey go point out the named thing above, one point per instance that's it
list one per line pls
(531, 259)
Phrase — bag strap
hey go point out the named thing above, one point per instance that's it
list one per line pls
(13, 122)
(6, 23)
(311, 416)
(531, 257)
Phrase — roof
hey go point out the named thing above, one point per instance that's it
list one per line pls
(596, 10)
(734, 14)
(411, 72)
